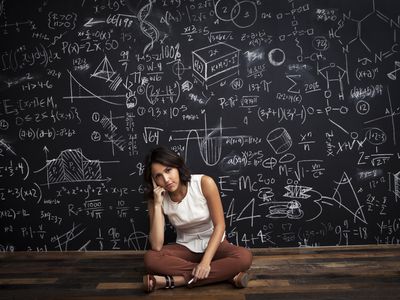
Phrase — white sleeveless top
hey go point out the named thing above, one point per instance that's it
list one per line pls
(191, 217)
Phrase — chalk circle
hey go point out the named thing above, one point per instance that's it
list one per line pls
(320, 43)
(242, 13)
(287, 158)
(291, 181)
(237, 83)
(362, 107)
(96, 117)
(276, 57)
(246, 15)
(178, 68)
(354, 135)
(376, 136)
(327, 94)
(4, 125)
(95, 136)
(226, 10)
(141, 89)
(280, 140)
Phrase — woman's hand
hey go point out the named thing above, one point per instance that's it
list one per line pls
(201, 271)
(158, 192)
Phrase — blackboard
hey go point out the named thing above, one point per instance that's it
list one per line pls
(291, 106)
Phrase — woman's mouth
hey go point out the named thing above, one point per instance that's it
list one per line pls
(169, 186)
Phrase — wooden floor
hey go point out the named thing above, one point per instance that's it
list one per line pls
(357, 272)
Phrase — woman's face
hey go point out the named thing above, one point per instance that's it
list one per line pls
(166, 177)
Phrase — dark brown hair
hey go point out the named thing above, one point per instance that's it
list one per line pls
(167, 158)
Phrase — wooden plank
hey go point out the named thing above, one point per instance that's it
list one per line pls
(118, 285)
(36, 280)
(56, 255)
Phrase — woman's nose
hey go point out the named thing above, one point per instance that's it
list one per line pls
(165, 178)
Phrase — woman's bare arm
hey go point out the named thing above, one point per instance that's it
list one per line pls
(211, 193)
(157, 219)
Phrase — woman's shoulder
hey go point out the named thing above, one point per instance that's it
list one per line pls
(206, 182)
(201, 179)
(198, 182)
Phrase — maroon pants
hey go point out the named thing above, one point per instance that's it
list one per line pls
(177, 260)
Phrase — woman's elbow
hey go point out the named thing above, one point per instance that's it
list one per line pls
(156, 246)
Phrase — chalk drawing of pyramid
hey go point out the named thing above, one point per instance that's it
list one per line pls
(346, 197)
(72, 166)
(104, 70)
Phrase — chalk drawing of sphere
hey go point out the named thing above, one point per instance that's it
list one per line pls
(280, 140)
(276, 57)
(242, 13)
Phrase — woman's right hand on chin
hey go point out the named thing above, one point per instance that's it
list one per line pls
(158, 193)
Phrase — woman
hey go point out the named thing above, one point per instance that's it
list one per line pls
(201, 254)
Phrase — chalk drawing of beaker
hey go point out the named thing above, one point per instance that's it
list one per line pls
(280, 140)
(211, 146)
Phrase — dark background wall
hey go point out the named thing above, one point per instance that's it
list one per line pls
(291, 106)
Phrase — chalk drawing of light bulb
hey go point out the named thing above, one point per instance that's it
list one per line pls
(280, 140)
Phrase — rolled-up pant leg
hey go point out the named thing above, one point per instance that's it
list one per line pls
(177, 260)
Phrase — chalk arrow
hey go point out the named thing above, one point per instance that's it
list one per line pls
(92, 22)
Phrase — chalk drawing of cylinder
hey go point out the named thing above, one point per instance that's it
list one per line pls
(280, 140)
(397, 184)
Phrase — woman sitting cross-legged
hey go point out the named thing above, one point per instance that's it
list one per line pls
(201, 254)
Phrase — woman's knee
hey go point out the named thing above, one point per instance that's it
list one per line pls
(151, 259)
(246, 258)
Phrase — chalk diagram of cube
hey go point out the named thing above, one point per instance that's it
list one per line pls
(280, 140)
(215, 63)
